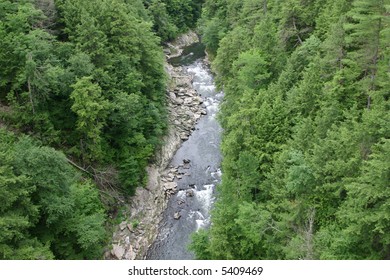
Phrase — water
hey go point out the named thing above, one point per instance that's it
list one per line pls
(189, 55)
(202, 149)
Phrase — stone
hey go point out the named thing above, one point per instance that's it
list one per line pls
(186, 166)
(118, 251)
(170, 186)
(198, 100)
(190, 193)
(180, 202)
(173, 170)
(177, 216)
(172, 96)
(188, 101)
(184, 136)
(130, 255)
(130, 227)
(203, 112)
(136, 245)
(122, 225)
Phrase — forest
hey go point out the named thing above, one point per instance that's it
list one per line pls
(305, 117)
(306, 167)
(82, 110)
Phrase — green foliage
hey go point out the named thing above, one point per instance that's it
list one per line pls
(171, 17)
(90, 82)
(91, 110)
(97, 89)
(47, 211)
(305, 118)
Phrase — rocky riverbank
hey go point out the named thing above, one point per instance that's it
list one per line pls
(139, 227)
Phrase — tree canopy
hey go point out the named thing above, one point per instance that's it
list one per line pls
(85, 80)
(306, 129)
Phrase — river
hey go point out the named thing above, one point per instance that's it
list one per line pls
(196, 194)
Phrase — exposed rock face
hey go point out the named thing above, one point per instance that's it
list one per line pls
(139, 229)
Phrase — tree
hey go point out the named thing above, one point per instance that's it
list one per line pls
(91, 110)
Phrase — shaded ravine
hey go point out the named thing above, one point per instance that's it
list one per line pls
(198, 163)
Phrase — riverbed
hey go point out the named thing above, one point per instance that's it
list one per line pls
(198, 163)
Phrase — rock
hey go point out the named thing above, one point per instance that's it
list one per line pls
(180, 202)
(130, 255)
(118, 251)
(198, 100)
(184, 136)
(130, 227)
(170, 186)
(188, 100)
(127, 240)
(177, 216)
(173, 170)
(176, 122)
(122, 226)
(172, 96)
(203, 112)
(136, 245)
(189, 114)
(170, 177)
(186, 161)
(190, 193)
(107, 255)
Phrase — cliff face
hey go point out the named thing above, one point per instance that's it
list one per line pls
(139, 228)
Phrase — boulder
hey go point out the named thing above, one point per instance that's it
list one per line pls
(172, 96)
(122, 226)
(184, 136)
(188, 101)
(190, 193)
(180, 202)
(177, 216)
(170, 186)
(130, 255)
(118, 251)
